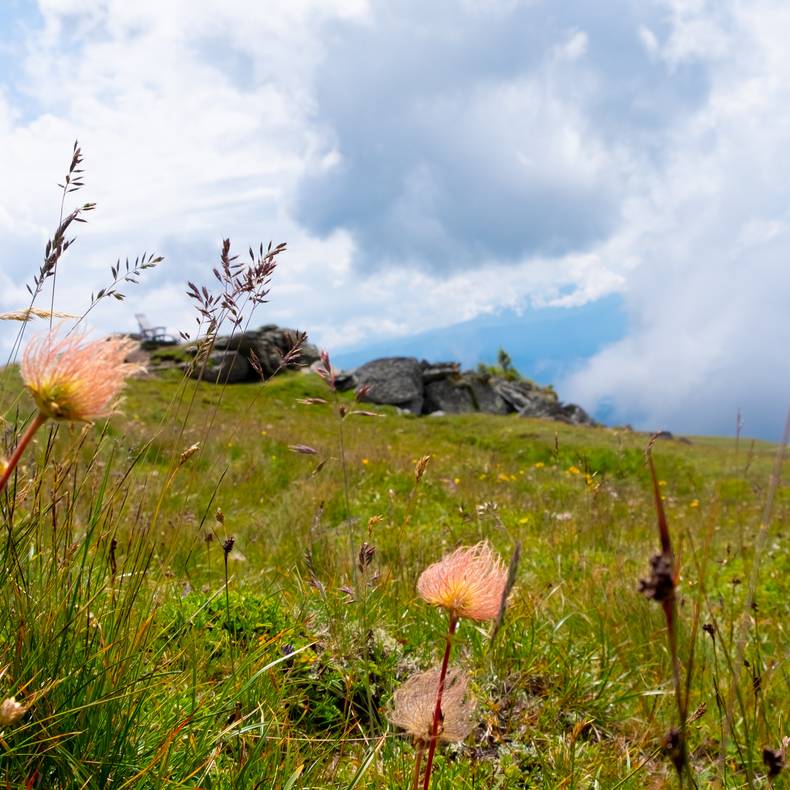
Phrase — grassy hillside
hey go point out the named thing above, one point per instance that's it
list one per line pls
(153, 653)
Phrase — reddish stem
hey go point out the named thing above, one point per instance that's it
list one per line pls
(415, 781)
(437, 713)
(38, 421)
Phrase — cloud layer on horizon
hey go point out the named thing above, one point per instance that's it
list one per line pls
(427, 165)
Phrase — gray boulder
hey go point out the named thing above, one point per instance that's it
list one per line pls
(486, 398)
(265, 347)
(530, 400)
(396, 381)
(344, 379)
(223, 367)
(436, 371)
(448, 396)
(575, 415)
(462, 394)
(554, 410)
(519, 395)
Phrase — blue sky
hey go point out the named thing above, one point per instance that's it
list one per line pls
(431, 164)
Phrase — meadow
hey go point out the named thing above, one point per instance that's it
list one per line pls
(215, 588)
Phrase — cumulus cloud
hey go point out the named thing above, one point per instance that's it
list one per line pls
(711, 232)
(461, 133)
(192, 122)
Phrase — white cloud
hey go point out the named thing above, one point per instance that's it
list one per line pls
(649, 139)
(708, 302)
(648, 39)
(575, 47)
(192, 120)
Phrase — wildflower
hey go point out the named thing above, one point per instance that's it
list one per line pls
(374, 521)
(11, 712)
(71, 379)
(414, 701)
(468, 583)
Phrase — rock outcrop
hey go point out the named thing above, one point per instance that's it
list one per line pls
(239, 357)
(396, 381)
(223, 367)
(463, 393)
(419, 387)
(426, 388)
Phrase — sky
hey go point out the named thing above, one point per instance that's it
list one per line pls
(428, 164)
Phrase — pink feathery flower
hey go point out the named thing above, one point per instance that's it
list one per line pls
(73, 379)
(470, 582)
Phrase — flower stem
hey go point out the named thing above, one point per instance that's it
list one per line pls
(38, 421)
(437, 713)
(343, 464)
(231, 625)
(415, 782)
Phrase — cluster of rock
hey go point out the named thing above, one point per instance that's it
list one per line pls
(247, 356)
(419, 387)
(433, 388)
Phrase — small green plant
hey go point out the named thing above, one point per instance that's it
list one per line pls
(503, 368)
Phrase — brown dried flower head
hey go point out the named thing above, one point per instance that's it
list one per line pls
(11, 712)
(71, 379)
(415, 700)
(420, 467)
(188, 453)
(470, 582)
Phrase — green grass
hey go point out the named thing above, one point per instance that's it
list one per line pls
(140, 671)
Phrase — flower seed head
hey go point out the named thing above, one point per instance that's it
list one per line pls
(11, 712)
(470, 582)
(71, 379)
(414, 703)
